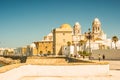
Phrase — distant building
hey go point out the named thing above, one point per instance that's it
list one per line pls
(6, 51)
(1, 51)
(31, 50)
(21, 51)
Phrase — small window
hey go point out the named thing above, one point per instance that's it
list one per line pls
(63, 33)
(98, 29)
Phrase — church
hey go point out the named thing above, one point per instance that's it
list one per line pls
(66, 40)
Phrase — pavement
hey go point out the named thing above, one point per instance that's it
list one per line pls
(114, 64)
(13, 74)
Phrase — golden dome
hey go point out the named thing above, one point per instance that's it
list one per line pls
(67, 26)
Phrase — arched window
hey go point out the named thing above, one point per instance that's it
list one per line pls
(98, 28)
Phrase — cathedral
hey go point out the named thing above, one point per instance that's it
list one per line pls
(69, 40)
(66, 39)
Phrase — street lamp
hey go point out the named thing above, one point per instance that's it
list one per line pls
(89, 37)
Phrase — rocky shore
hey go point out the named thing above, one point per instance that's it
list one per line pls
(8, 61)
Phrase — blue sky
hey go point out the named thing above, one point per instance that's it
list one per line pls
(25, 21)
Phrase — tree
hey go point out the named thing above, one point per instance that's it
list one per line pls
(41, 52)
(68, 43)
(115, 39)
(80, 53)
(84, 53)
(81, 43)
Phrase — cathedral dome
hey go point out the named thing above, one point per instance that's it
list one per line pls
(50, 34)
(32, 45)
(96, 20)
(66, 26)
(77, 24)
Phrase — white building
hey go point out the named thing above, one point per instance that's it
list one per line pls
(98, 39)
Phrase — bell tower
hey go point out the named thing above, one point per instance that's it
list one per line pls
(96, 28)
(77, 29)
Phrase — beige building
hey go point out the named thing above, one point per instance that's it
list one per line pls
(61, 36)
(97, 31)
(45, 47)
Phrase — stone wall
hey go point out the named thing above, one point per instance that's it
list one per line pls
(113, 54)
(45, 60)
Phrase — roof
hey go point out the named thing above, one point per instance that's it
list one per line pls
(66, 26)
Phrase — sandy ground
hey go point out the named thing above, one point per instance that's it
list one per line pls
(11, 75)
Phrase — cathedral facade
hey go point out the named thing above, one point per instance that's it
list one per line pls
(69, 40)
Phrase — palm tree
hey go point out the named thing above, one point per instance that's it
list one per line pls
(115, 39)
(69, 44)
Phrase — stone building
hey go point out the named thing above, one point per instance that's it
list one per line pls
(76, 36)
(57, 41)
(97, 31)
(61, 36)
(90, 40)
(45, 47)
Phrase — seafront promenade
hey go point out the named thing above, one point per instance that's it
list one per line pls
(28, 72)
(61, 71)
(38, 72)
